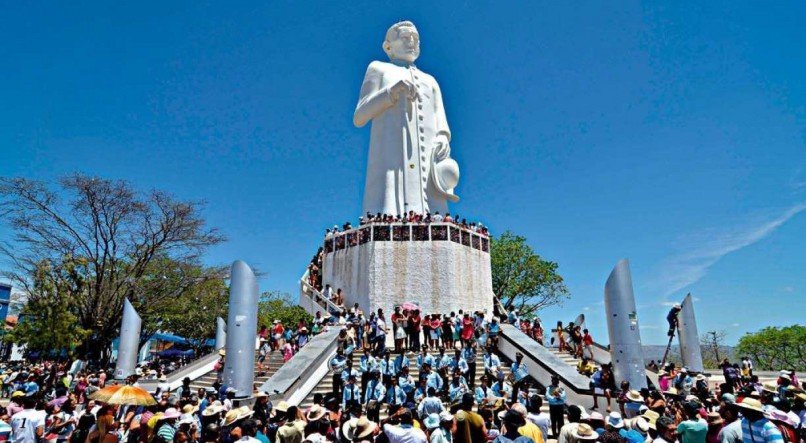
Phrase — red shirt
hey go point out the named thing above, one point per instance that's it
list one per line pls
(587, 340)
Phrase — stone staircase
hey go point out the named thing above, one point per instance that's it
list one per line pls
(567, 358)
(273, 362)
(325, 385)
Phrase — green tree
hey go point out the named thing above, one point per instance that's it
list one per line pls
(521, 278)
(100, 240)
(274, 305)
(774, 348)
(193, 314)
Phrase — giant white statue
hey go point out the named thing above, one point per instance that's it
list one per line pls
(409, 167)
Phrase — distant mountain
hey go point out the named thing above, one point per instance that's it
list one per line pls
(655, 352)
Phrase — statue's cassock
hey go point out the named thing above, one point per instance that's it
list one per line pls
(402, 141)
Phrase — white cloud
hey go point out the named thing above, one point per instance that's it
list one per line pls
(586, 308)
(700, 252)
(789, 289)
(735, 325)
(797, 182)
(650, 327)
(668, 304)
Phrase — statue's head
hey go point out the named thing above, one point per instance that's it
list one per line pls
(402, 42)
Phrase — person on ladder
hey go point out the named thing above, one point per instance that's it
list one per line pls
(672, 318)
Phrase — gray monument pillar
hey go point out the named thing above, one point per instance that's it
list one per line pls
(689, 337)
(220, 333)
(626, 353)
(129, 343)
(239, 366)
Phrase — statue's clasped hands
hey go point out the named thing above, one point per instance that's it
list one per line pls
(405, 87)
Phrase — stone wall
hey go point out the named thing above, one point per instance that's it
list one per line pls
(439, 274)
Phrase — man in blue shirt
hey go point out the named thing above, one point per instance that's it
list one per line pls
(406, 381)
(366, 365)
(520, 373)
(492, 331)
(424, 357)
(556, 397)
(337, 365)
(352, 393)
(394, 395)
(387, 367)
(469, 355)
(374, 396)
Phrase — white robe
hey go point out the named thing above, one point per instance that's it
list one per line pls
(402, 140)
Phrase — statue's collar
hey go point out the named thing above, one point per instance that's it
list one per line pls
(402, 63)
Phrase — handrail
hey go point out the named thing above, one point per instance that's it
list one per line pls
(193, 371)
(316, 295)
(302, 367)
(372, 224)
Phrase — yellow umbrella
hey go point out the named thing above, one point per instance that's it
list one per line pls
(103, 395)
(131, 395)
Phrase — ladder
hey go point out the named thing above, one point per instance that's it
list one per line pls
(668, 348)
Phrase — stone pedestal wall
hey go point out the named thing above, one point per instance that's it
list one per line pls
(440, 267)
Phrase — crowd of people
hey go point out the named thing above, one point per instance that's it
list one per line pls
(423, 390)
(411, 217)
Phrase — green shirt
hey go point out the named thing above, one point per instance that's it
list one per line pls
(692, 431)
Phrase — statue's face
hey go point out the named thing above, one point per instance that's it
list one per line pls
(406, 46)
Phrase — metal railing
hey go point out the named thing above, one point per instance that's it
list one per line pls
(408, 232)
(315, 295)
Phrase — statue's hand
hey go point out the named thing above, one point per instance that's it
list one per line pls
(405, 88)
(442, 147)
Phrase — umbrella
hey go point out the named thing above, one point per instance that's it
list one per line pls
(131, 395)
(104, 393)
(409, 306)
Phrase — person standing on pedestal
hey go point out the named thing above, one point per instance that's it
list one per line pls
(409, 166)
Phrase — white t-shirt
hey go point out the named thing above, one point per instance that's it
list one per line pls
(24, 425)
(403, 434)
(542, 421)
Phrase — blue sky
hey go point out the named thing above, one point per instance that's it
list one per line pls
(673, 135)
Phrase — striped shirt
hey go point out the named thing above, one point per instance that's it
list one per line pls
(760, 431)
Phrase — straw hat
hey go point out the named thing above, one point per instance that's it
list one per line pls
(595, 416)
(585, 432)
(357, 428)
(189, 409)
(231, 417)
(222, 352)
(634, 395)
(237, 414)
(213, 409)
(769, 387)
(651, 418)
(281, 407)
(751, 404)
(700, 377)
(260, 394)
(315, 413)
